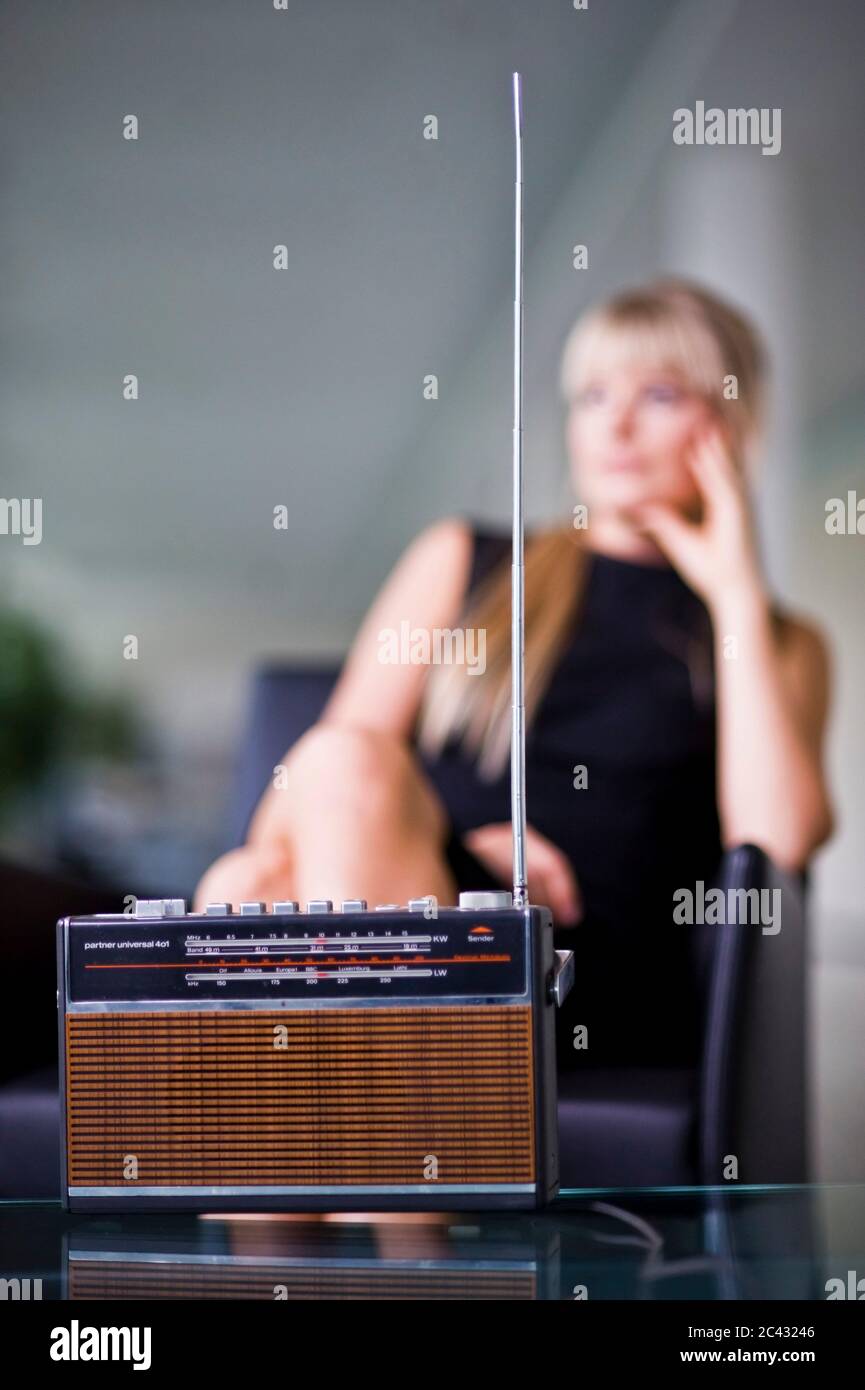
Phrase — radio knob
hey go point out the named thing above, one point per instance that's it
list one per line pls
(319, 905)
(253, 909)
(488, 901)
(354, 905)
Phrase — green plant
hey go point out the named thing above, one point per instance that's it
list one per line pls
(44, 717)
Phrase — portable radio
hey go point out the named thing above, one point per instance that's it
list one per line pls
(318, 1058)
(399, 1057)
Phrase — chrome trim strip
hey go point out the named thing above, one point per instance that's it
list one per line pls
(116, 1006)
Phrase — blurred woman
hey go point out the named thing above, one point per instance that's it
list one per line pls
(673, 708)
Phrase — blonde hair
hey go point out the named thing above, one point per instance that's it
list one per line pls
(671, 324)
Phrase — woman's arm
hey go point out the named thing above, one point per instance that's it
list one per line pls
(426, 589)
(772, 677)
(772, 684)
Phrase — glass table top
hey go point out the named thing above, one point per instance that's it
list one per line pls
(648, 1244)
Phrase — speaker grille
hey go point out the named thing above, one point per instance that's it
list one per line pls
(253, 1097)
(111, 1279)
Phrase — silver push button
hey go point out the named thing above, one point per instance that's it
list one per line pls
(160, 907)
(252, 909)
(218, 910)
(148, 907)
(354, 905)
(485, 901)
(387, 907)
(420, 904)
(319, 905)
(281, 908)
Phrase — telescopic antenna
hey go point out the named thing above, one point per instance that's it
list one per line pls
(518, 729)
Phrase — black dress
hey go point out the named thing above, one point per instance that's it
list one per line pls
(626, 704)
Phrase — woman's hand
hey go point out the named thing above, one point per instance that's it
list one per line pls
(717, 554)
(772, 705)
(551, 878)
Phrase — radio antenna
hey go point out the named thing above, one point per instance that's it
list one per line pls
(518, 721)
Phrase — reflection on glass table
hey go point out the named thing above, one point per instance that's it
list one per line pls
(775, 1243)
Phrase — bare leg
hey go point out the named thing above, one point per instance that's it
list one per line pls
(354, 817)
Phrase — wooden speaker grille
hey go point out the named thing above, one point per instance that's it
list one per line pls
(103, 1279)
(253, 1097)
